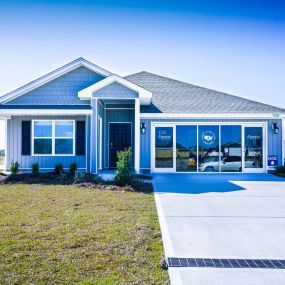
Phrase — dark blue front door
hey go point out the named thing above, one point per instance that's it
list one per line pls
(120, 139)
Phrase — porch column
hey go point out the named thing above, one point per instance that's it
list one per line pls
(93, 144)
(137, 135)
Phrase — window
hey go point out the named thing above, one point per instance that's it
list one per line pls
(53, 137)
(164, 147)
(209, 155)
(186, 148)
(231, 149)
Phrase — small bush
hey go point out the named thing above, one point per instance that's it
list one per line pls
(73, 168)
(35, 169)
(58, 168)
(78, 176)
(63, 177)
(96, 178)
(14, 167)
(123, 175)
(280, 169)
(81, 177)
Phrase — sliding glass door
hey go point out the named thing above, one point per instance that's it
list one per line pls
(164, 149)
(231, 148)
(208, 147)
(186, 148)
(253, 149)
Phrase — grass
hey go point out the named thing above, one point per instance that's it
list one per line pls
(56, 234)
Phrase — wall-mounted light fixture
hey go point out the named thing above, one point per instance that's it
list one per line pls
(143, 128)
(275, 128)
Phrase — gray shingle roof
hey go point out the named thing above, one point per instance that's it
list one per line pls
(173, 96)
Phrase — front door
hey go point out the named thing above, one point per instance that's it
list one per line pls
(119, 139)
(253, 149)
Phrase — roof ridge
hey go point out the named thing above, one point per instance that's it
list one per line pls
(221, 92)
(136, 73)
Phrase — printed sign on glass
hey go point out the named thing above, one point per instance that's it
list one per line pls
(164, 137)
(272, 160)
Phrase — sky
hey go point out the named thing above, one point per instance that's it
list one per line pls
(231, 46)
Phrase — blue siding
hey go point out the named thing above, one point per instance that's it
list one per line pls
(62, 90)
(45, 162)
(115, 90)
(274, 143)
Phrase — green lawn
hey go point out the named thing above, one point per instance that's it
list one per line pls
(68, 235)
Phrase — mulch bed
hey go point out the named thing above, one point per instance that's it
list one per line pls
(54, 179)
(279, 174)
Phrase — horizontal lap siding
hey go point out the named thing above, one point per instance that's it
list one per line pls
(14, 152)
(115, 91)
(274, 142)
(62, 90)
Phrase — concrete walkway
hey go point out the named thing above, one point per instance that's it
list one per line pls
(222, 216)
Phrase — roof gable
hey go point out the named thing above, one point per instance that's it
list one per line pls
(60, 91)
(80, 62)
(143, 94)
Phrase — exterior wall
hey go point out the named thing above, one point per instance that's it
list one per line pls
(274, 143)
(115, 90)
(62, 90)
(14, 146)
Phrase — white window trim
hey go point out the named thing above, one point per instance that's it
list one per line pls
(264, 125)
(53, 137)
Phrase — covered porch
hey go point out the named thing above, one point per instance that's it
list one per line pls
(115, 120)
(115, 129)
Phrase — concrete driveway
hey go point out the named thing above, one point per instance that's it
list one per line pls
(222, 216)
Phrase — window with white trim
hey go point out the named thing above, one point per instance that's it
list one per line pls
(53, 137)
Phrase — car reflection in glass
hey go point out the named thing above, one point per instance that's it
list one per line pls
(228, 164)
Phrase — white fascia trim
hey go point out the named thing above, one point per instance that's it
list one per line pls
(5, 117)
(53, 75)
(144, 95)
(24, 112)
(209, 116)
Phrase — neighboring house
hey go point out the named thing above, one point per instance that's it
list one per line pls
(82, 113)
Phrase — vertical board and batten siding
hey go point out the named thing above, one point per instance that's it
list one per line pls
(14, 143)
(62, 90)
(274, 143)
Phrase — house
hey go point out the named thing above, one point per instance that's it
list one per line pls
(85, 114)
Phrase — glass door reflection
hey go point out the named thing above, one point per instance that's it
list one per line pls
(164, 148)
(253, 142)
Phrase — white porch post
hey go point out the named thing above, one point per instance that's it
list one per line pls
(93, 136)
(137, 135)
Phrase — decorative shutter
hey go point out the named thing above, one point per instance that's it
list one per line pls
(80, 138)
(26, 137)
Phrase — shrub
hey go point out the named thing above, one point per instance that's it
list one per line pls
(58, 168)
(81, 177)
(14, 167)
(95, 178)
(280, 169)
(35, 169)
(78, 176)
(73, 168)
(123, 175)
